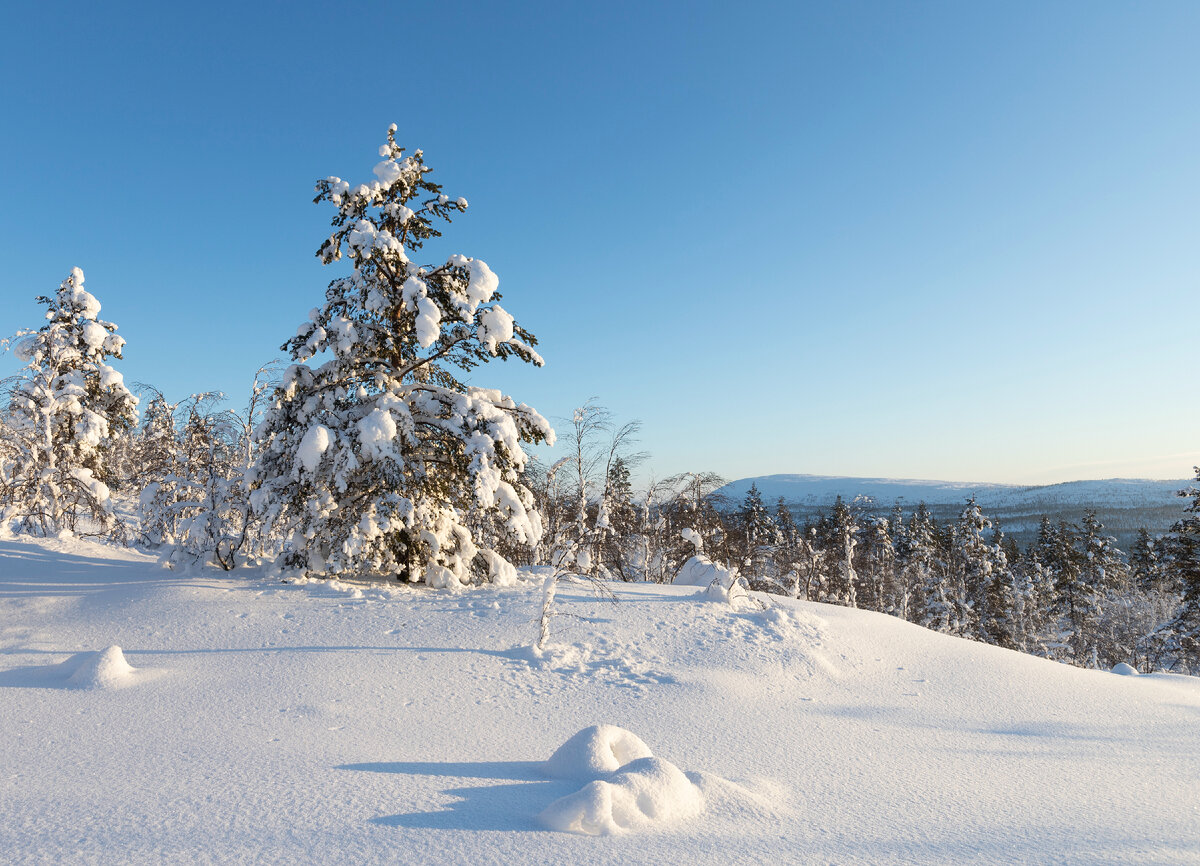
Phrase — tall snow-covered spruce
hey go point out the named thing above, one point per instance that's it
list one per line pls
(380, 459)
(64, 409)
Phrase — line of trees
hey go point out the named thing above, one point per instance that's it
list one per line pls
(1072, 595)
(369, 454)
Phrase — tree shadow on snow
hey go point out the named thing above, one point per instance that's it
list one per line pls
(27, 570)
(512, 805)
(51, 675)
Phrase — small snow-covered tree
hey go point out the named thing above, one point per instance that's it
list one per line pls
(694, 505)
(877, 570)
(160, 465)
(1032, 602)
(194, 500)
(375, 459)
(842, 537)
(925, 570)
(790, 551)
(1146, 561)
(1107, 636)
(759, 534)
(973, 563)
(63, 409)
(1182, 634)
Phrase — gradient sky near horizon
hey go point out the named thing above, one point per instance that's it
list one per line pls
(957, 241)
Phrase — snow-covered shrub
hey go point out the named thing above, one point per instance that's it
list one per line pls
(196, 509)
(701, 571)
(194, 501)
(63, 409)
(378, 458)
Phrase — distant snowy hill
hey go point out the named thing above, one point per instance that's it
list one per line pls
(152, 716)
(1122, 504)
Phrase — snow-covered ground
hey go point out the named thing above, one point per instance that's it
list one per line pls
(245, 720)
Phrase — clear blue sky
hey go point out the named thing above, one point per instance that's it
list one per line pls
(942, 240)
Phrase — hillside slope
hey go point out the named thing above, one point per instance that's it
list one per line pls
(1123, 505)
(262, 722)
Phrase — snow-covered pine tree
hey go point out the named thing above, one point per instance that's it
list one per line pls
(899, 593)
(160, 462)
(154, 447)
(1055, 549)
(788, 554)
(972, 563)
(1103, 570)
(614, 527)
(620, 552)
(759, 534)
(841, 533)
(1033, 596)
(877, 565)
(1157, 599)
(63, 409)
(1146, 561)
(205, 497)
(995, 603)
(374, 460)
(925, 570)
(1182, 634)
(1076, 598)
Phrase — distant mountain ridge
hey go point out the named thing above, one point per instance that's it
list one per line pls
(1121, 504)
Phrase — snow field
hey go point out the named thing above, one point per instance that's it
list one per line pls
(350, 723)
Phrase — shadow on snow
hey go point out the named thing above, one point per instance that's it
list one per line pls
(512, 805)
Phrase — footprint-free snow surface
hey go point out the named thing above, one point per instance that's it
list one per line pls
(149, 716)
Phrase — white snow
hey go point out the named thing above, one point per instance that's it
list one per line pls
(315, 443)
(495, 326)
(345, 722)
(376, 432)
(596, 751)
(628, 788)
(388, 171)
(94, 334)
(428, 323)
(692, 537)
(699, 570)
(645, 792)
(106, 669)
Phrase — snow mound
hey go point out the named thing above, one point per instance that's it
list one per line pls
(720, 584)
(629, 787)
(644, 792)
(106, 669)
(737, 590)
(1125, 670)
(596, 751)
(702, 571)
